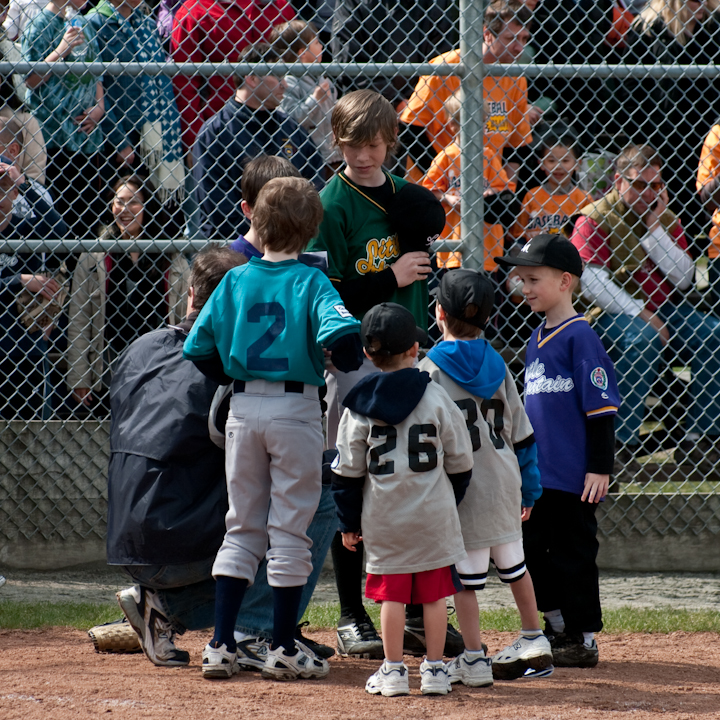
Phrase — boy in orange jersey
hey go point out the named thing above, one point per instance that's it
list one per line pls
(443, 179)
(548, 207)
(708, 185)
(425, 129)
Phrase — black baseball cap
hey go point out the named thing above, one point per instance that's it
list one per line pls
(462, 287)
(393, 326)
(417, 217)
(554, 251)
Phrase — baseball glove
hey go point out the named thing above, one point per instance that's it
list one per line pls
(116, 637)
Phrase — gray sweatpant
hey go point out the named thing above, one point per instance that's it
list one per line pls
(273, 452)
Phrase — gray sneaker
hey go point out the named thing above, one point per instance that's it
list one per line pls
(358, 638)
(524, 654)
(155, 631)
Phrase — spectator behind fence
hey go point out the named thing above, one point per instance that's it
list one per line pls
(399, 31)
(308, 99)
(167, 496)
(32, 200)
(673, 114)
(141, 109)
(505, 33)
(31, 303)
(118, 296)
(500, 204)
(70, 109)
(637, 270)
(32, 157)
(708, 186)
(249, 125)
(216, 31)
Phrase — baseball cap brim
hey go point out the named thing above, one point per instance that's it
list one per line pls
(515, 260)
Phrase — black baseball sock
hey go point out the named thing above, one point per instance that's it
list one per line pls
(348, 578)
(286, 603)
(229, 593)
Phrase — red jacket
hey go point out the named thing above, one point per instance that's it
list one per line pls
(216, 31)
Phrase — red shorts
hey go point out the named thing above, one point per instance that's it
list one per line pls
(414, 588)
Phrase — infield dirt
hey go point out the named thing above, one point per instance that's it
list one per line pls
(56, 674)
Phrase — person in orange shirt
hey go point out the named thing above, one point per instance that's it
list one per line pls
(508, 122)
(547, 208)
(443, 179)
(708, 185)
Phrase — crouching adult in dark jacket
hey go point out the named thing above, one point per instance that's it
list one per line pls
(167, 496)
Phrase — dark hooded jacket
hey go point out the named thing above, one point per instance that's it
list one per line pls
(166, 480)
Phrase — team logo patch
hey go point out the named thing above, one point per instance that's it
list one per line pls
(599, 378)
(526, 247)
(342, 311)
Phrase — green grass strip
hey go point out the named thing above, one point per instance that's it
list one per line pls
(16, 615)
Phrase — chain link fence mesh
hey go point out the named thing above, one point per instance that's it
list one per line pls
(123, 156)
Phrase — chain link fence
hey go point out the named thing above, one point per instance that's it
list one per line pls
(124, 131)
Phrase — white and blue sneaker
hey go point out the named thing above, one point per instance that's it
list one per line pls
(219, 663)
(472, 670)
(434, 679)
(389, 681)
(303, 664)
(526, 653)
(252, 651)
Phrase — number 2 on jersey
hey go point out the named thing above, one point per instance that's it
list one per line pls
(255, 361)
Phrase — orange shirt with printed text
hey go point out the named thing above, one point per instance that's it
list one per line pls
(506, 123)
(545, 212)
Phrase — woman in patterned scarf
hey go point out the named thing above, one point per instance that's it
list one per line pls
(141, 107)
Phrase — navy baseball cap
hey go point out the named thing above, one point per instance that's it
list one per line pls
(554, 251)
(462, 287)
(389, 329)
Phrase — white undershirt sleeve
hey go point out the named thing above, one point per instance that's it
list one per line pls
(598, 286)
(672, 261)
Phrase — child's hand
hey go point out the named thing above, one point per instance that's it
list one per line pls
(596, 487)
(73, 37)
(323, 90)
(351, 539)
(452, 199)
(525, 514)
(410, 267)
(17, 177)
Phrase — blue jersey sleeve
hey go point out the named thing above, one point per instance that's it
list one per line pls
(331, 318)
(595, 381)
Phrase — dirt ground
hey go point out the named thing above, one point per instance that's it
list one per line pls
(57, 674)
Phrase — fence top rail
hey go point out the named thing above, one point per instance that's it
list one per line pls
(601, 70)
(160, 245)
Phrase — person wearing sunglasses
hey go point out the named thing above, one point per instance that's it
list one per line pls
(638, 271)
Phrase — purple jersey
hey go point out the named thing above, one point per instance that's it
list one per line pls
(568, 378)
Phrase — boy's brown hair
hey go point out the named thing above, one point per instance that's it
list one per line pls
(287, 214)
(259, 171)
(461, 329)
(500, 13)
(291, 38)
(208, 269)
(359, 116)
(261, 52)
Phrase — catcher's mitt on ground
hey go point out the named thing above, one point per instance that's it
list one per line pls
(116, 637)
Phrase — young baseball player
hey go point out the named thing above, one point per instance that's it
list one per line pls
(571, 398)
(505, 482)
(404, 461)
(264, 329)
(366, 267)
(548, 207)
(256, 174)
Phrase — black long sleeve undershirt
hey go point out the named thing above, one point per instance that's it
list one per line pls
(600, 444)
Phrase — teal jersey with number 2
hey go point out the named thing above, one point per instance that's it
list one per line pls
(270, 321)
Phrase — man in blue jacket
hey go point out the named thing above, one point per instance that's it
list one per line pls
(167, 496)
(249, 125)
